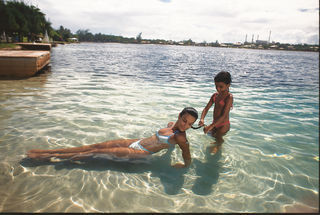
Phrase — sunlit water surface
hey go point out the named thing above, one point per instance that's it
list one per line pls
(97, 92)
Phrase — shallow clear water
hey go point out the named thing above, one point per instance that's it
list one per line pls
(97, 92)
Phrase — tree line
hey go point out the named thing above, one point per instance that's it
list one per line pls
(19, 20)
(87, 36)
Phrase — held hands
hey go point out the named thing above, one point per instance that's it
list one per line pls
(201, 122)
(208, 128)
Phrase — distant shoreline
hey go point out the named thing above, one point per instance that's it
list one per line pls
(206, 46)
(13, 46)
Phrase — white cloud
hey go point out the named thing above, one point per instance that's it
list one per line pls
(292, 21)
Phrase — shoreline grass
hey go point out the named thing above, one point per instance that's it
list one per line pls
(8, 46)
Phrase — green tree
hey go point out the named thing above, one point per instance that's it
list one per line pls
(18, 19)
(188, 42)
(12, 26)
(64, 33)
(4, 21)
(55, 35)
(85, 35)
(19, 11)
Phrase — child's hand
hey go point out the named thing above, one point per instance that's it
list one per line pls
(206, 129)
(201, 122)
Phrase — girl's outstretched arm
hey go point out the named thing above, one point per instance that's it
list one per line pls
(205, 111)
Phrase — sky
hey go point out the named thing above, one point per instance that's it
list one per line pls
(228, 21)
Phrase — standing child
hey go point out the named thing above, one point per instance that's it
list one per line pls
(223, 100)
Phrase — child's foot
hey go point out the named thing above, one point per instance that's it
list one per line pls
(215, 148)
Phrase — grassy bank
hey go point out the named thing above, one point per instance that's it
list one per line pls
(8, 46)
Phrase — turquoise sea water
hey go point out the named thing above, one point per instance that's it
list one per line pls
(97, 92)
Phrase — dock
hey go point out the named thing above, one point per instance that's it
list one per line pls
(22, 64)
(35, 46)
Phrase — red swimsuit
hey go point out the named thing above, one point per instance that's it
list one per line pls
(221, 102)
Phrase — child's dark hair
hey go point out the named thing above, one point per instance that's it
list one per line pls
(190, 110)
(224, 77)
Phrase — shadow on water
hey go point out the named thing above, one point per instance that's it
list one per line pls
(159, 166)
(171, 178)
(45, 70)
(207, 171)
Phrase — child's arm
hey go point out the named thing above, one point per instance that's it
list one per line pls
(205, 111)
(224, 115)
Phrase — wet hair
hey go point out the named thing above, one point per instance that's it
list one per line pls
(224, 77)
(190, 110)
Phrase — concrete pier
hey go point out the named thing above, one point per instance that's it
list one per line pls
(35, 46)
(22, 64)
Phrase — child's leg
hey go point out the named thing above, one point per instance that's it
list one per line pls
(220, 132)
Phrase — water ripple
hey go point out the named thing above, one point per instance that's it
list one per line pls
(268, 163)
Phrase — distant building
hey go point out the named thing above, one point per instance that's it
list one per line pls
(247, 46)
(273, 47)
(146, 42)
(261, 42)
(73, 39)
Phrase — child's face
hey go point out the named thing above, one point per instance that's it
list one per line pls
(222, 87)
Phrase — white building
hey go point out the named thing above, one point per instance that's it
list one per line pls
(73, 39)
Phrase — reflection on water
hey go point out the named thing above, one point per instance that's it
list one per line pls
(158, 167)
(97, 92)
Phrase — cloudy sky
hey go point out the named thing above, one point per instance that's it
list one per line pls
(290, 21)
